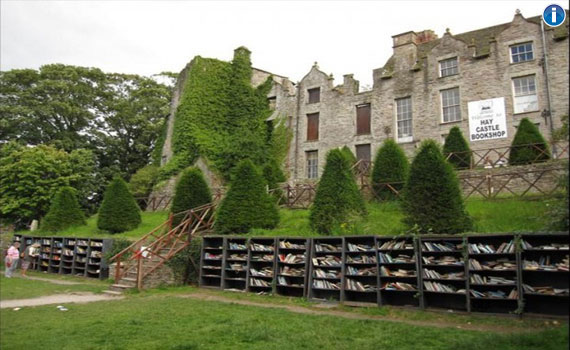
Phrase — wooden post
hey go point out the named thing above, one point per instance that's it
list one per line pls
(139, 272)
(117, 270)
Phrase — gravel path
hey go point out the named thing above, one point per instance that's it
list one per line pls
(76, 297)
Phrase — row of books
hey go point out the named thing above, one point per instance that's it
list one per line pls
(440, 287)
(500, 264)
(210, 256)
(398, 286)
(80, 250)
(96, 254)
(327, 248)
(327, 260)
(290, 271)
(361, 259)
(324, 284)
(442, 260)
(477, 279)
(236, 257)
(384, 271)
(545, 264)
(289, 245)
(259, 282)
(480, 248)
(261, 247)
(548, 290)
(400, 259)
(237, 246)
(284, 281)
(265, 272)
(498, 294)
(359, 247)
(211, 267)
(319, 273)
(292, 258)
(394, 244)
(440, 247)
(359, 286)
(551, 246)
(368, 271)
(237, 267)
(427, 273)
(265, 257)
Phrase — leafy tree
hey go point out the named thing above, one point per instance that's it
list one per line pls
(337, 197)
(119, 211)
(191, 191)
(390, 166)
(349, 156)
(246, 205)
(456, 149)
(561, 133)
(31, 176)
(64, 211)
(432, 200)
(528, 145)
(143, 180)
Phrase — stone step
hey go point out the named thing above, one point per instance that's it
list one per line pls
(120, 287)
(112, 292)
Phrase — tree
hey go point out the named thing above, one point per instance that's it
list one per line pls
(143, 180)
(349, 156)
(432, 200)
(246, 205)
(119, 211)
(391, 166)
(528, 145)
(31, 176)
(64, 211)
(191, 191)
(337, 197)
(456, 149)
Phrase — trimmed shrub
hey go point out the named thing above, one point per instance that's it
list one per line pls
(273, 175)
(390, 166)
(247, 204)
(191, 191)
(119, 211)
(64, 211)
(337, 198)
(143, 180)
(456, 149)
(432, 200)
(349, 156)
(528, 145)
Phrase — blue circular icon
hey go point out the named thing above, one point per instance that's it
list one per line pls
(553, 15)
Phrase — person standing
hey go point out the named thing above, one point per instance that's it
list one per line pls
(29, 255)
(12, 259)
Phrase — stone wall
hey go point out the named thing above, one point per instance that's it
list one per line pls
(163, 276)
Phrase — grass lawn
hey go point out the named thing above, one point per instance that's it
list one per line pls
(169, 322)
(21, 288)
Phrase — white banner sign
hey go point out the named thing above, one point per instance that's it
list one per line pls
(487, 120)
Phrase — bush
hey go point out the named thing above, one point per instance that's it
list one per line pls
(182, 266)
(64, 211)
(273, 175)
(349, 156)
(456, 149)
(338, 198)
(432, 200)
(528, 145)
(390, 166)
(191, 191)
(119, 211)
(143, 180)
(247, 204)
(119, 244)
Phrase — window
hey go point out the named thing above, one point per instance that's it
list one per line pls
(363, 119)
(363, 152)
(404, 119)
(312, 164)
(272, 102)
(312, 127)
(448, 67)
(524, 91)
(450, 105)
(521, 53)
(314, 95)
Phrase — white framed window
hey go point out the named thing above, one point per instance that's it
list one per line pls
(448, 67)
(312, 164)
(404, 119)
(524, 94)
(521, 52)
(450, 105)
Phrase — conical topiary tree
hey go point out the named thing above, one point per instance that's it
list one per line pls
(191, 191)
(337, 196)
(247, 204)
(528, 145)
(64, 211)
(456, 149)
(119, 211)
(432, 199)
(349, 156)
(391, 167)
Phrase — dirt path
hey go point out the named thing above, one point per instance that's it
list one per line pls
(76, 297)
(353, 316)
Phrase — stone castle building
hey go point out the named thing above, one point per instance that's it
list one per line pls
(426, 87)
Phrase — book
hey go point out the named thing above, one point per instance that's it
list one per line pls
(289, 245)
(477, 279)
(256, 282)
(284, 281)
(432, 274)
(237, 246)
(440, 247)
(241, 257)
(398, 286)
(361, 259)
(328, 248)
(324, 284)
(212, 256)
(292, 258)
(498, 294)
(359, 247)
(265, 272)
(500, 264)
(261, 247)
(359, 286)
(442, 260)
(327, 260)
(544, 263)
(320, 273)
(395, 244)
(265, 257)
(368, 271)
(440, 287)
(290, 271)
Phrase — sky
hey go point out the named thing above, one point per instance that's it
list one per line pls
(285, 37)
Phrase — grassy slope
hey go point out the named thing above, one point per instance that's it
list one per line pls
(162, 322)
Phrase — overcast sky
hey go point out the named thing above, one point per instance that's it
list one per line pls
(147, 37)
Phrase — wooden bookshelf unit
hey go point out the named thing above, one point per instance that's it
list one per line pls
(292, 266)
(398, 271)
(325, 273)
(261, 265)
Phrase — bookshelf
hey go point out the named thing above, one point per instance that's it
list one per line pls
(398, 276)
(544, 273)
(70, 255)
(493, 275)
(261, 265)
(360, 270)
(292, 266)
(211, 262)
(234, 274)
(325, 272)
(443, 277)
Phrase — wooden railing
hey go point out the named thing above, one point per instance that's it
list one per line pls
(163, 243)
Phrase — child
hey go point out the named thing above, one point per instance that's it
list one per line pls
(12, 259)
